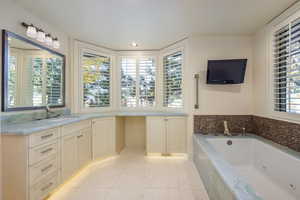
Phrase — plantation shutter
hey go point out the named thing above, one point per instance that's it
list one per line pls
(128, 82)
(36, 73)
(147, 82)
(54, 80)
(172, 80)
(138, 76)
(287, 68)
(96, 80)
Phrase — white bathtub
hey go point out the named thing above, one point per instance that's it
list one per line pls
(250, 168)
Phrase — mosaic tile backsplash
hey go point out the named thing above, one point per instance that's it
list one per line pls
(281, 132)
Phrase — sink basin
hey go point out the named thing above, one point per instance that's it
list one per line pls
(59, 118)
(62, 118)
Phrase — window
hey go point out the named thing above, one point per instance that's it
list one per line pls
(286, 63)
(96, 80)
(54, 74)
(137, 82)
(37, 80)
(12, 81)
(172, 80)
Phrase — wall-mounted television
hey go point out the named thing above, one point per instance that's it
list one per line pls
(226, 71)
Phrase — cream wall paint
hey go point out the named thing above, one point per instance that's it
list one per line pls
(262, 96)
(216, 99)
(11, 17)
(220, 99)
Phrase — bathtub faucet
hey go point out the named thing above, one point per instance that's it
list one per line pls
(226, 130)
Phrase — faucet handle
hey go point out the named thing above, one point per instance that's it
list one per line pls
(244, 130)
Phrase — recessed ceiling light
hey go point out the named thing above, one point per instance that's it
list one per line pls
(134, 44)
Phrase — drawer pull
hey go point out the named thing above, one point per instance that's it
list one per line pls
(79, 136)
(46, 136)
(46, 168)
(46, 151)
(46, 187)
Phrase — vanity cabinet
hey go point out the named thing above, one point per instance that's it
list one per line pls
(75, 147)
(31, 165)
(166, 135)
(104, 137)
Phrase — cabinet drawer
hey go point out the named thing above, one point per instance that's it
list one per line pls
(68, 129)
(43, 169)
(43, 188)
(42, 152)
(43, 137)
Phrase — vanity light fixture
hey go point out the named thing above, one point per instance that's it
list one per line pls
(48, 40)
(56, 43)
(41, 36)
(134, 44)
(31, 31)
(37, 33)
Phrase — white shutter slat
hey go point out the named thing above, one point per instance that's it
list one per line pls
(96, 80)
(172, 76)
(286, 73)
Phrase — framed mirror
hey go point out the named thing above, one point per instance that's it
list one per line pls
(33, 76)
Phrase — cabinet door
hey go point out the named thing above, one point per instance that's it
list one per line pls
(155, 128)
(69, 158)
(103, 137)
(176, 134)
(84, 148)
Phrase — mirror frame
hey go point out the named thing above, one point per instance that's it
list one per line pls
(4, 93)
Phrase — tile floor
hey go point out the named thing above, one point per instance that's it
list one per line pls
(132, 176)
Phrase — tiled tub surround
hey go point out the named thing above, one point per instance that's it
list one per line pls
(250, 168)
(207, 124)
(281, 132)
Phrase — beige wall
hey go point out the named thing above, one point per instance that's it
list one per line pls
(135, 132)
(220, 99)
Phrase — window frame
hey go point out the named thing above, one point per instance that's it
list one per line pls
(138, 56)
(80, 80)
(270, 75)
(164, 54)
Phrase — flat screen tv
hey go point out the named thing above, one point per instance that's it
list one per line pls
(226, 71)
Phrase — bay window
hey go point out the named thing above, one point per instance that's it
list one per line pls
(138, 79)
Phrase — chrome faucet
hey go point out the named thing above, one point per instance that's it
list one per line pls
(48, 111)
(226, 130)
(244, 131)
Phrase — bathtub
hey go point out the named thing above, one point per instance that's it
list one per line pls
(246, 168)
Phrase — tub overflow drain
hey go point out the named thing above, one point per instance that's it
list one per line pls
(293, 187)
(229, 142)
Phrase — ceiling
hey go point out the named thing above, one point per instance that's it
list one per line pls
(153, 24)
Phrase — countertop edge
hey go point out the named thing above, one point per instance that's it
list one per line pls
(8, 130)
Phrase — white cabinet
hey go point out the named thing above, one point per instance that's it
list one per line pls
(175, 134)
(75, 148)
(84, 147)
(155, 139)
(103, 137)
(31, 164)
(69, 155)
(166, 135)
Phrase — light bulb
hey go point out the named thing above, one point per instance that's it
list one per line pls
(48, 40)
(134, 44)
(41, 36)
(31, 31)
(56, 44)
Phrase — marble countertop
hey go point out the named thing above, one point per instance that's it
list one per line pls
(28, 127)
